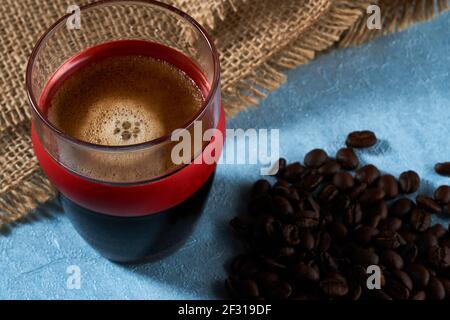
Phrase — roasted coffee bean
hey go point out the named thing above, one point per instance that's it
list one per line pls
(372, 196)
(275, 289)
(353, 215)
(260, 205)
(446, 284)
(428, 241)
(328, 193)
(409, 252)
(337, 230)
(409, 235)
(328, 262)
(428, 204)
(244, 265)
(291, 234)
(272, 264)
(285, 252)
(437, 230)
(315, 158)
(378, 209)
(443, 168)
(409, 182)
(294, 172)
(282, 164)
(418, 296)
(307, 240)
(249, 289)
(282, 207)
(439, 257)
(347, 158)
(322, 241)
(308, 219)
(329, 168)
(341, 202)
(357, 190)
(388, 240)
(312, 181)
(442, 195)
(420, 220)
(391, 259)
(363, 235)
(343, 180)
(361, 139)
(260, 188)
(391, 224)
(364, 257)
(435, 289)
(374, 221)
(401, 207)
(367, 174)
(396, 290)
(335, 285)
(402, 277)
(304, 272)
(419, 275)
(389, 185)
(272, 228)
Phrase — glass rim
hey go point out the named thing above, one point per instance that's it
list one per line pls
(132, 147)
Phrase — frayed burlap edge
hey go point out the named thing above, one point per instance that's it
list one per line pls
(248, 91)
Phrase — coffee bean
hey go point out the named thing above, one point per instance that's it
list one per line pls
(334, 285)
(372, 196)
(307, 240)
(337, 230)
(328, 193)
(409, 182)
(308, 219)
(420, 220)
(443, 168)
(418, 296)
(435, 289)
(357, 190)
(315, 158)
(249, 289)
(409, 252)
(347, 158)
(402, 277)
(361, 139)
(322, 241)
(401, 207)
(389, 185)
(391, 259)
(260, 205)
(311, 181)
(446, 284)
(329, 168)
(293, 172)
(291, 234)
(378, 209)
(304, 272)
(419, 275)
(363, 235)
(391, 224)
(353, 215)
(428, 241)
(282, 207)
(428, 204)
(438, 230)
(397, 290)
(260, 188)
(244, 265)
(242, 226)
(364, 257)
(367, 174)
(439, 257)
(389, 240)
(343, 180)
(442, 195)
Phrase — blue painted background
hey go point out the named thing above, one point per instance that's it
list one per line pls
(398, 86)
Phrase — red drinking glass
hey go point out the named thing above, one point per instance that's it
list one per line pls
(126, 217)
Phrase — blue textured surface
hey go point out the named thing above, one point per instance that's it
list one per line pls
(398, 86)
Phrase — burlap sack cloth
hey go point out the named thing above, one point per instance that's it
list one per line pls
(257, 40)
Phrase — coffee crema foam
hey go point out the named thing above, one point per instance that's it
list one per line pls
(123, 100)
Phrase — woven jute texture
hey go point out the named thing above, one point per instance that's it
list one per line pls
(257, 40)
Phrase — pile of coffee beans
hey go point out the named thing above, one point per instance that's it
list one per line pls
(313, 233)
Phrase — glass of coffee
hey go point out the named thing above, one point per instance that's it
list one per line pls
(107, 93)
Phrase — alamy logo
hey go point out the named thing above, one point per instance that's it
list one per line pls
(74, 278)
(374, 278)
(74, 20)
(374, 20)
